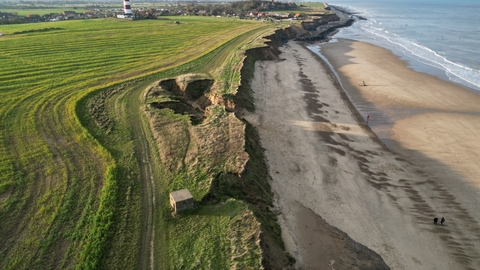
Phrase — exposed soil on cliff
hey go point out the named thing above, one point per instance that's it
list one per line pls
(184, 95)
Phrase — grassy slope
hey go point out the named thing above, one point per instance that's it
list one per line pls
(307, 7)
(251, 187)
(320, 5)
(59, 188)
(216, 235)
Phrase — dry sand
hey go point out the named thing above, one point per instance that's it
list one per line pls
(332, 176)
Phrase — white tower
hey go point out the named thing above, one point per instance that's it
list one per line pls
(127, 9)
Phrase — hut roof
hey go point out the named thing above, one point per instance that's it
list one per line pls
(181, 195)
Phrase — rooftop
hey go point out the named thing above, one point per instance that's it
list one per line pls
(181, 195)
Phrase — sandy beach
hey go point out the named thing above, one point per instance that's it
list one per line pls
(432, 123)
(344, 198)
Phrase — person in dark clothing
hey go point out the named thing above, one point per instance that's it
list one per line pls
(442, 220)
(435, 220)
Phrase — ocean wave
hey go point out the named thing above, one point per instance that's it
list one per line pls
(379, 34)
(455, 71)
(378, 29)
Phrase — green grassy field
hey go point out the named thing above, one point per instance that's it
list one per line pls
(70, 188)
(42, 11)
(306, 8)
(319, 5)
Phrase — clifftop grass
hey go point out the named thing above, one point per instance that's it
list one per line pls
(70, 195)
(218, 160)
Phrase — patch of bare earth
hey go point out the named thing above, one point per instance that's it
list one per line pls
(205, 137)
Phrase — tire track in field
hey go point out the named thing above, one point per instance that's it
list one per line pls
(84, 170)
(133, 97)
(147, 170)
(63, 168)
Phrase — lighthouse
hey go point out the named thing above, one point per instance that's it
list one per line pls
(127, 9)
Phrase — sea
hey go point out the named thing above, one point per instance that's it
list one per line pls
(439, 37)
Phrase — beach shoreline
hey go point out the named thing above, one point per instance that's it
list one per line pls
(322, 157)
(434, 126)
(402, 102)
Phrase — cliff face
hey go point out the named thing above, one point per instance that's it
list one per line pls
(316, 22)
(325, 26)
(243, 99)
(276, 39)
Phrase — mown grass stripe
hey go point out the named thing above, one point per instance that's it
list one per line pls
(47, 155)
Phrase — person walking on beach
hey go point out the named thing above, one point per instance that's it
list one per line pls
(442, 220)
(435, 220)
(368, 117)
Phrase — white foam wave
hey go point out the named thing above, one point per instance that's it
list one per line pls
(455, 72)
(371, 30)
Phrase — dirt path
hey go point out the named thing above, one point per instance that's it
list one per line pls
(326, 166)
(133, 98)
(147, 177)
(126, 105)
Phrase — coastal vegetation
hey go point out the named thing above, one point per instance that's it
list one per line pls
(34, 12)
(84, 179)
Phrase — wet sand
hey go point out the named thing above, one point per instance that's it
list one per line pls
(431, 122)
(330, 173)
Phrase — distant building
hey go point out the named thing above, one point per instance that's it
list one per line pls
(181, 200)
(125, 16)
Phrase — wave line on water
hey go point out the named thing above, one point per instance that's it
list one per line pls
(375, 32)
(456, 72)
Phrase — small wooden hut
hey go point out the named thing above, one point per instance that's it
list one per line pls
(181, 200)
